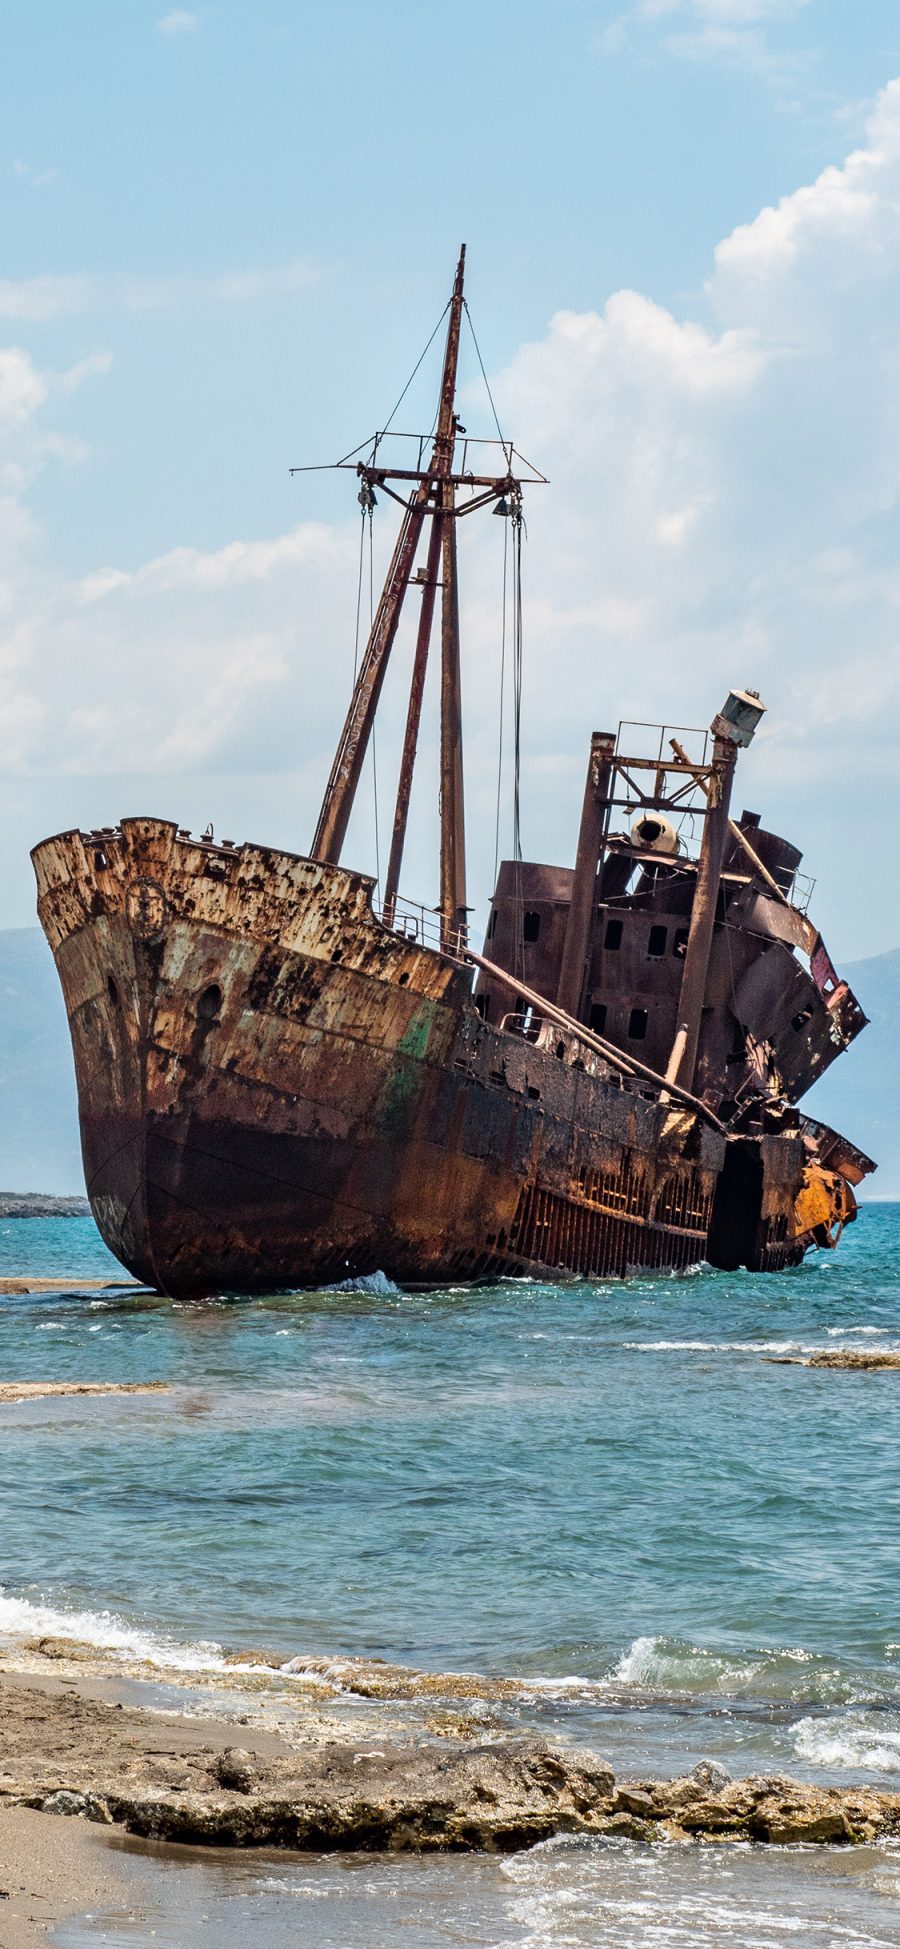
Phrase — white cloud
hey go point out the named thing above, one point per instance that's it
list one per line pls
(178, 22)
(737, 477)
(37, 299)
(22, 388)
(232, 287)
(725, 13)
(724, 507)
(730, 32)
(35, 178)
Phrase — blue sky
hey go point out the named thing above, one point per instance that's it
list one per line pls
(227, 231)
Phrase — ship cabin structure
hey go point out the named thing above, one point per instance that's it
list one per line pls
(772, 1019)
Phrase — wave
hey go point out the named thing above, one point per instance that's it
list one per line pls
(839, 1332)
(774, 1674)
(377, 1283)
(651, 1667)
(857, 1741)
(720, 1346)
(20, 1619)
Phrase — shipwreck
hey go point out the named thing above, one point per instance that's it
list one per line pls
(288, 1077)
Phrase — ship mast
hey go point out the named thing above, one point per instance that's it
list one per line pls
(432, 492)
(453, 833)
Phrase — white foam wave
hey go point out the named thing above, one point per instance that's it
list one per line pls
(368, 1282)
(21, 1620)
(659, 1664)
(840, 1332)
(720, 1346)
(859, 1741)
(664, 1664)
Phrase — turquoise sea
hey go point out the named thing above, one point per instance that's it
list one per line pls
(614, 1489)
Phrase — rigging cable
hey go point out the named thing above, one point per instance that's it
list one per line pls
(359, 587)
(519, 909)
(502, 699)
(483, 373)
(518, 526)
(374, 759)
(398, 403)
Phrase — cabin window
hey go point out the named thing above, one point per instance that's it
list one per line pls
(597, 1017)
(637, 1025)
(210, 1002)
(612, 939)
(492, 928)
(679, 945)
(800, 1021)
(483, 1005)
(656, 944)
(531, 926)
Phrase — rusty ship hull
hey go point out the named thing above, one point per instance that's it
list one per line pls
(276, 1090)
(280, 1087)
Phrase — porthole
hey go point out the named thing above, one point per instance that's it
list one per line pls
(210, 1002)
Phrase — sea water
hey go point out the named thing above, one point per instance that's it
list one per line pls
(615, 1490)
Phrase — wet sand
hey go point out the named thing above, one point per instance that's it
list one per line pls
(50, 1869)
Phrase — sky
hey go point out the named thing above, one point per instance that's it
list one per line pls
(227, 233)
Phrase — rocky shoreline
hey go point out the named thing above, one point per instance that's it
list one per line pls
(176, 1778)
(39, 1204)
(43, 1390)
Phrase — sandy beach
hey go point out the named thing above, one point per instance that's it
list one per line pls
(49, 1869)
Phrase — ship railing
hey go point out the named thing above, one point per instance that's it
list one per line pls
(422, 927)
(658, 745)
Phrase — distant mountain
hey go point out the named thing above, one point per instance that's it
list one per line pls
(39, 1148)
(861, 1092)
